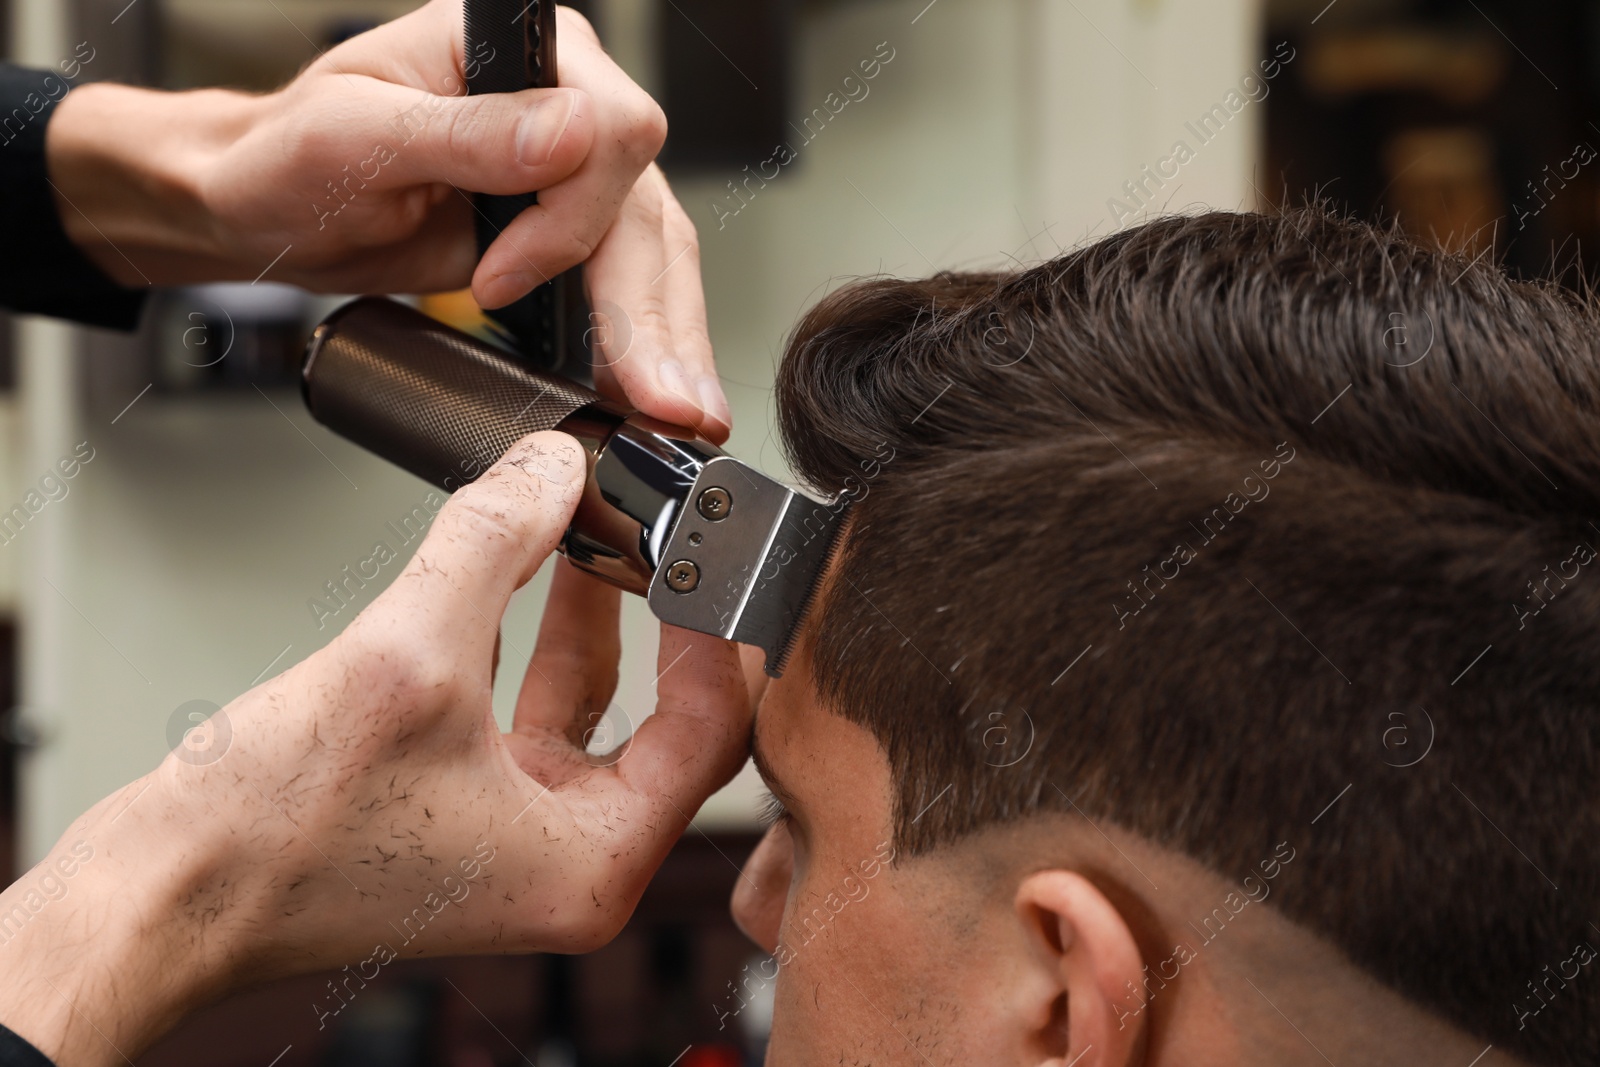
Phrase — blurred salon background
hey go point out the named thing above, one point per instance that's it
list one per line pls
(189, 554)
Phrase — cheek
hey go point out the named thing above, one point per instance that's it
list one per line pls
(763, 888)
(860, 984)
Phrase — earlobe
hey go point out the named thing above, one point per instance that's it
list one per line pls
(1097, 1017)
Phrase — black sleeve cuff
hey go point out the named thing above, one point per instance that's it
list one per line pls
(15, 1052)
(41, 270)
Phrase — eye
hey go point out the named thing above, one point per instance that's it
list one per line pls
(773, 813)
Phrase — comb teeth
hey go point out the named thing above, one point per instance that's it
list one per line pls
(778, 658)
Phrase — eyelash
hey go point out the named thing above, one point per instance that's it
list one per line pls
(773, 813)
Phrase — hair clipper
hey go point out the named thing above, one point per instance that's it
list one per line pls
(713, 544)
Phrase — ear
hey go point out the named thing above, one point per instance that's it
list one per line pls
(1095, 1017)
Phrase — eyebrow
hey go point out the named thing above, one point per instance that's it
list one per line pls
(773, 782)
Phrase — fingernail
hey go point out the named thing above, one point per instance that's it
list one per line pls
(673, 380)
(713, 400)
(541, 129)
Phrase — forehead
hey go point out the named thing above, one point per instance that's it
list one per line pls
(759, 747)
(786, 699)
(812, 756)
(782, 719)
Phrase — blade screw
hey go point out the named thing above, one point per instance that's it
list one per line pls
(683, 576)
(714, 504)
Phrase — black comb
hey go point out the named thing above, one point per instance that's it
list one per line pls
(511, 46)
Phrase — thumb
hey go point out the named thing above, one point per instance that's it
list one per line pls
(487, 541)
(500, 143)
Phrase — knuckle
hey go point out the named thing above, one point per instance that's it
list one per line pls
(581, 245)
(647, 209)
(415, 671)
(644, 126)
(694, 337)
(680, 225)
(645, 204)
(655, 123)
(415, 207)
(325, 65)
(403, 216)
(650, 316)
(462, 132)
(393, 665)
(310, 141)
(552, 251)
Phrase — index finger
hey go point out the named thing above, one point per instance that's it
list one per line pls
(571, 217)
(644, 283)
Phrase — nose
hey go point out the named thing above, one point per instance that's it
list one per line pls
(763, 888)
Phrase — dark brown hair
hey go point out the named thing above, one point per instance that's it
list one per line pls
(1381, 646)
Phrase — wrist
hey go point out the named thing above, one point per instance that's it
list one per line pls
(128, 924)
(129, 167)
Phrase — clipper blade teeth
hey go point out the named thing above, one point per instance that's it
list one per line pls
(778, 658)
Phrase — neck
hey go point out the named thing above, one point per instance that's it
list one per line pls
(1284, 996)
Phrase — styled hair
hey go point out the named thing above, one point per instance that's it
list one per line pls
(1242, 530)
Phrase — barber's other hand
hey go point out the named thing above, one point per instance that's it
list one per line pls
(367, 806)
(351, 178)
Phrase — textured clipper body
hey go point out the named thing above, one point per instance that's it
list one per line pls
(445, 406)
(438, 402)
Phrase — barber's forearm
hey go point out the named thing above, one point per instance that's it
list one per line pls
(129, 167)
(119, 931)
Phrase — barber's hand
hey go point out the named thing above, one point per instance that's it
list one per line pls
(367, 806)
(350, 179)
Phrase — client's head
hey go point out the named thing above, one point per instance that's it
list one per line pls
(1209, 672)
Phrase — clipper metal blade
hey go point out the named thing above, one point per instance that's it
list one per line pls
(750, 580)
